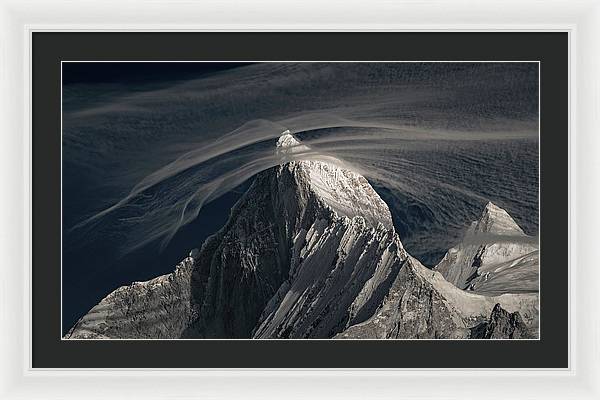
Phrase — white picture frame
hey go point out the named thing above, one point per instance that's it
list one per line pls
(18, 19)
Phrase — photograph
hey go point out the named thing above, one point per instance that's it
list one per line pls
(280, 200)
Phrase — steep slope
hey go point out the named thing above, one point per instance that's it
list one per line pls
(158, 308)
(494, 257)
(422, 304)
(502, 324)
(240, 268)
(309, 251)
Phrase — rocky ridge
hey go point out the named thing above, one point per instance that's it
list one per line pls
(502, 325)
(309, 251)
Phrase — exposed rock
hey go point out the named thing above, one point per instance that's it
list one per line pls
(502, 325)
(422, 304)
(297, 224)
(412, 308)
(159, 308)
(309, 251)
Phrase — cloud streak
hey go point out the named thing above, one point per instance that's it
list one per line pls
(162, 155)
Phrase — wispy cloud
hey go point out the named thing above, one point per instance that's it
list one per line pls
(168, 152)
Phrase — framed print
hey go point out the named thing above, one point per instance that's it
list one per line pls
(249, 205)
(370, 209)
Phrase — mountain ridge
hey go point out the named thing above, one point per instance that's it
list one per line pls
(309, 251)
(493, 252)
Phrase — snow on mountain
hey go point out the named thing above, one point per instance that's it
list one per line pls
(420, 303)
(309, 251)
(494, 257)
(346, 192)
(496, 220)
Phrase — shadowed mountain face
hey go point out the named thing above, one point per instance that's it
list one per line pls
(310, 251)
(501, 325)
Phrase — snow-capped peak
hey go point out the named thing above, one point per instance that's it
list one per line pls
(496, 220)
(287, 145)
(346, 192)
(287, 140)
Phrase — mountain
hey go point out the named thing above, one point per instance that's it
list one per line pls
(309, 251)
(501, 325)
(495, 257)
(158, 308)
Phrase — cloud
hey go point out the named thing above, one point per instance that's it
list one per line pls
(163, 154)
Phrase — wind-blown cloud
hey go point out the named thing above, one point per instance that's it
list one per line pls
(161, 155)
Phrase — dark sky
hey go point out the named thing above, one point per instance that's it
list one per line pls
(141, 73)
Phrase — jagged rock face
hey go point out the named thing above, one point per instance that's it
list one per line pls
(294, 255)
(292, 226)
(330, 264)
(261, 249)
(495, 257)
(309, 251)
(422, 304)
(412, 308)
(238, 269)
(502, 325)
(234, 274)
(159, 308)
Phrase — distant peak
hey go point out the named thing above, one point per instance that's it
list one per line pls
(496, 220)
(286, 139)
(492, 210)
(491, 207)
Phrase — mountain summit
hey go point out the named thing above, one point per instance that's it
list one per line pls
(346, 192)
(495, 257)
(496, 220)
(309, 251)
